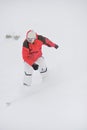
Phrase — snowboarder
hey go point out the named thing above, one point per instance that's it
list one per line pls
(32, 55)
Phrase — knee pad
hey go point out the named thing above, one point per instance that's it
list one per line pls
(27, 74)
(43, 70)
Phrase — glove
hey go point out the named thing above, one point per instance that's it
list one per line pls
(35, 66)
(56, 46)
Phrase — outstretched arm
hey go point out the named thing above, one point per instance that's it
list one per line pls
(47, 42)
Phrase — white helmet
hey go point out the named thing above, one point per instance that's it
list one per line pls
(31, 36)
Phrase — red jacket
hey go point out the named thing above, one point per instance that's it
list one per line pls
(31, 52)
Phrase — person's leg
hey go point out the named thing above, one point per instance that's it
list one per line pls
(28, 71)
(42, 67)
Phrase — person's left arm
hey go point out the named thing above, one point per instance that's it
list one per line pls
(47, 42)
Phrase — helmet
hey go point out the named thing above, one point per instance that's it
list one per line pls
(31, 36)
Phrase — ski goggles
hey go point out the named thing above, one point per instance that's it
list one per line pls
(31, 40)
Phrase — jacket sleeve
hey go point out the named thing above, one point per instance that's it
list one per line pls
(46, 41)
(25, 53)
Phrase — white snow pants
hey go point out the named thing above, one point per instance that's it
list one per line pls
(28, 71)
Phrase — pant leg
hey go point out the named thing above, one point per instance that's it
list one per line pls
(42, 67)
(28, 71)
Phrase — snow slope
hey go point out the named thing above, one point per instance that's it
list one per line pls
(60, 102)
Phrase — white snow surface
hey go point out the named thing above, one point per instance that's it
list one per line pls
(59, 102)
